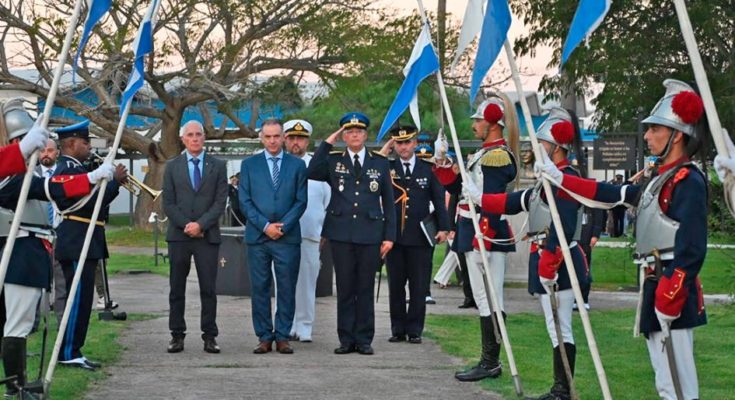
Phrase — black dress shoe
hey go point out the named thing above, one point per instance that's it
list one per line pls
(397, 338)
(91, 363)
(480, 371)
(365, 349)
(345, 349)
(468, 304)
(210, 346)
(414, 339)
(176, 345)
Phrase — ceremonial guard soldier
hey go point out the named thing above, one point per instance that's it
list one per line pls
(546, 264)
(29, 269)
(360, 224)
(13, 156)
(492, 167)
(417, 192)
(75, 149)
(671, 236)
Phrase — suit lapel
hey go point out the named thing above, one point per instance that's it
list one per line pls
(267, 170)
(183, 167)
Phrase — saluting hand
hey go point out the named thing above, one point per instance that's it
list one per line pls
(385, 248)
(332, 139)
(387, 147)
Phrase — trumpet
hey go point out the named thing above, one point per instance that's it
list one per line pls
(133, 184)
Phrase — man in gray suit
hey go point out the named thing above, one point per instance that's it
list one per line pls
(194, 197)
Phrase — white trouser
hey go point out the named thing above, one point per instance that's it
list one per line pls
(496, 262)
(564, 302)
(451, 262)
(306, 289)
(682, 341)
(20, 309)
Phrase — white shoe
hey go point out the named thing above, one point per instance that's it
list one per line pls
(305, 339)
(101, 304)
(587, 306)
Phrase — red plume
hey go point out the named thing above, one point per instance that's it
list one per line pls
(493, 113)
(563, 132)
(688, 106)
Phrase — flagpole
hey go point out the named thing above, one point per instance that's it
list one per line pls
(48, 107)
(592, 343)
(83, 255)
(478, 233)
(700, 76)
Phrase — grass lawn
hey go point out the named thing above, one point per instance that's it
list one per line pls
(125, 263)
(133, 237)
(625, 358)
(101, 345)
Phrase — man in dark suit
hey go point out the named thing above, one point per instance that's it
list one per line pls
(360, 223)
(194, 197)
(410, 260)
(273, 193)
(70, 233)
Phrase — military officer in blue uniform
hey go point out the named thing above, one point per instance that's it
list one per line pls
(671, 236)
(556, 135)
(417, 192)
(29, 269)
(75, 150)
(360, 224)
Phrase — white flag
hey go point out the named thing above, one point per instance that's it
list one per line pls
(471, 26)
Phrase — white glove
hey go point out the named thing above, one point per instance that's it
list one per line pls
(546, 166)
(665, 322)
(35, 139)
(548, 283)
(105, 171)
(472, 192)
(725, 165)
(441, 146)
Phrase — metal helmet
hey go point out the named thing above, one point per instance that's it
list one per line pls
(557, 128)
(497, 117)
(679, 109)
(17, 120)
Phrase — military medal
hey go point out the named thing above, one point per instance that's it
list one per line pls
(373, 186)
(341, 186)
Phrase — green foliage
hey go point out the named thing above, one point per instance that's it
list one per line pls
(637, 46)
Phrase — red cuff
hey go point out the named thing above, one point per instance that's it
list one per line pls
(494, 203)
(487, 232)
(74, 185)
(583, 187)
(445, 175)
(671, 294)
(11, 160)
(549, 263)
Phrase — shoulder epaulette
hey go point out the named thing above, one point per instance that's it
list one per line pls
(429, 161)
(377, 153)
(495, 158)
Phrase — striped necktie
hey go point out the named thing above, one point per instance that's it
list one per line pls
(50, 206)
(274, 172)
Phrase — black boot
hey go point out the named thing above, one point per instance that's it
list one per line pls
(489, 365)
(14, 361)
(560, 389)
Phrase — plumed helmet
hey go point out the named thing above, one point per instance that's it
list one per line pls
(557, 128)
(17, 120)
(491, 110)
(679, 109)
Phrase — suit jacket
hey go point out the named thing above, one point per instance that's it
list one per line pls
(361, 208)
(262, 204)
(422, 188)
(183, 205)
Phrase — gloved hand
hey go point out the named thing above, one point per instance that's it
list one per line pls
(441, 146)
(665, 322)
(725, 165)
(547, 167)
(35, 139)
(472, 192)
(105, 171)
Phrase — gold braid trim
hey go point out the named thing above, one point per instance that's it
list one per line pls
(403, 199)
(496, 158)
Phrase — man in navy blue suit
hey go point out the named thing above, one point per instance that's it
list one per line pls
(273, 194)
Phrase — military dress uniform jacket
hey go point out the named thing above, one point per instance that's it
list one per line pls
(683, 198)
(419, 190)
(361, 208)
(71, 233)
(30, 263)
(11, 161)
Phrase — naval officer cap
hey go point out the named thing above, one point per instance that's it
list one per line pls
(354, 120)
(297, 127)
(78, 130)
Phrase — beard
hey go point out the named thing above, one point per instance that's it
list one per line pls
(47, 162)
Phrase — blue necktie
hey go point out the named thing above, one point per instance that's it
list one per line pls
(51, 213)
(197, 174)
(274, 172)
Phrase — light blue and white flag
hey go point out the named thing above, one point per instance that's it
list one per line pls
(422, 63)
(471, 26)
(96, 9)
(143, 45)
(588, 17)
(494, 33)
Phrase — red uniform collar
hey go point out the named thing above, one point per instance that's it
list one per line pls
(673, 164)
(563, 163)
(494, 143)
